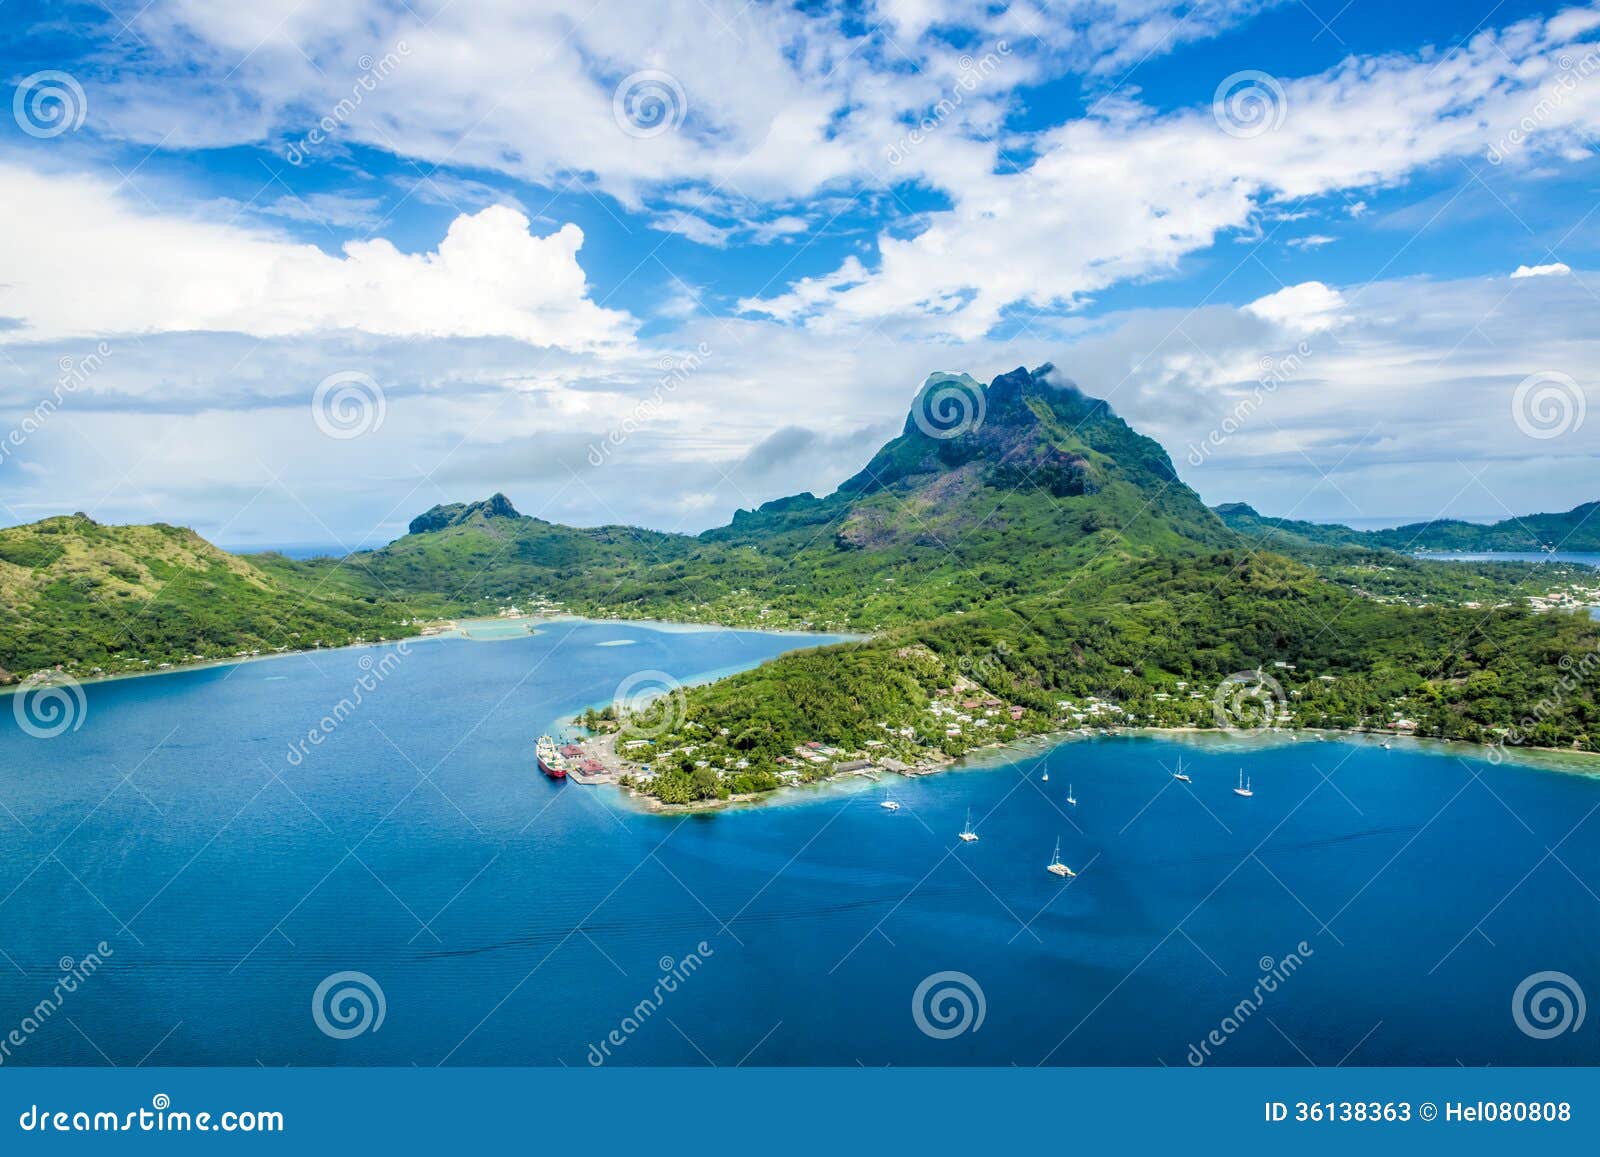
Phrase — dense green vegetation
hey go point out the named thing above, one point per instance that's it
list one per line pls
(107, 599)
(1150, 648)
(1044, 569)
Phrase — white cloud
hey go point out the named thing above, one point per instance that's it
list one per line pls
(1555, 269)
(1309, 307)
(80, 260)
(1402, 404)
(1127, 194)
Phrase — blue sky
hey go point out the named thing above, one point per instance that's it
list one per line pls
(295, 273)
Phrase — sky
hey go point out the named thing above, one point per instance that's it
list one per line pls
(292, 273)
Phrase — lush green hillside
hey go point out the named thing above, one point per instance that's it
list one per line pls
(1357, 561)
(1049, 487)
(105, 599)
(1018, 546)
(1242, 639)
(476, 557)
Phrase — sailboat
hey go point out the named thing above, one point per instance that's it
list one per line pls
(1056, 866)
(888, 804)
(1180, 775)
(1072, 800)
(1045, 778)
(967, 833)
(1244, 785)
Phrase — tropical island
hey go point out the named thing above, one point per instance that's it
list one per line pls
(1020, 560)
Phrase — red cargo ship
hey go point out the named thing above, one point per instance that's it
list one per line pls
(551, 761)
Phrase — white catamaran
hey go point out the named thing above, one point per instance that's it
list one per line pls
(967, 833)
(1055, 865)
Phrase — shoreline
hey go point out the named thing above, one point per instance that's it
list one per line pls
(455, 630)
(1562, 760)
(1551, 759)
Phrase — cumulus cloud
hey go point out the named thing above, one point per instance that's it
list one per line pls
(1128, 193)
(1554, 269)
(82, 260)
(1309, 307)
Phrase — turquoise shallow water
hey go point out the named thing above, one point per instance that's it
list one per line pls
(510, 920)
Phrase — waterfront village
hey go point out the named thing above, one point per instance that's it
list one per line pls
(958, 719)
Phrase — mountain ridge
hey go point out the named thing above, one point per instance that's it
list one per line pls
(1577, 529)
(1018, 533)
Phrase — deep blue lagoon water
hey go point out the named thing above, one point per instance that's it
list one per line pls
(511, 920)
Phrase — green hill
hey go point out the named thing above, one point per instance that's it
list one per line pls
(1017, 542)
(106, 599)
(1049, 485)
